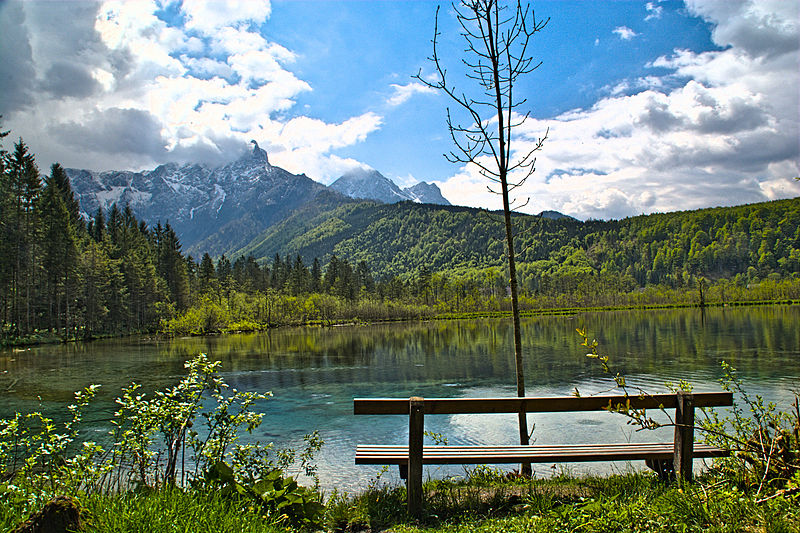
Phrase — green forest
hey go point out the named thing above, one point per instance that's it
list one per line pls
(63, 277)
(756, 241)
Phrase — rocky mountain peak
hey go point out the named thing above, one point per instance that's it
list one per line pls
(427, 193)
(258, 154)
(369, 184)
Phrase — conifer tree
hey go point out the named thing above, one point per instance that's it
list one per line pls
(59, 178)
(6, 242)
(207, 274)
(278, 273)
(316, 276)
(114, 223)
(258, 277)
(172, 267)
(225, 275)
(60, 251)
(331, 274)
(24, 186)
(99, 226)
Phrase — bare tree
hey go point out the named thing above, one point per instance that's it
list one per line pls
(497, 55)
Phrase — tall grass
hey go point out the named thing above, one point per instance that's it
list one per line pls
(633, 502)
(171, 509)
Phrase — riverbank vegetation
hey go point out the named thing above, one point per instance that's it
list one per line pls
(65, 278)
(172, 460)
(489, 502)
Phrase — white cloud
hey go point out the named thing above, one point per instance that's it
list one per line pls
(204, 66)
(625, 33)
(201, 91)
(208, 16)
(402, 93)
(303, 132)
(653, 11)
(756, 28)
(260, 65)
(133, 26)
(727, 135)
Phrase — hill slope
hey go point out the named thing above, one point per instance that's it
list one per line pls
(400, 239)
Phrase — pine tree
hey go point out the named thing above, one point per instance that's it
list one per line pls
(258, 277)
(172, 267)
(98, 232)
(278, 273)
(299, 277)
(316, 276)
(207, 274)
(7, 245)
(225, 275)
(331, 274)
(96, 272)
(114, 224)
(60, 253)
(24, 186)
(59, 178)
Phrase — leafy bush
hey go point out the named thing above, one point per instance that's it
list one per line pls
(151, 439)
(764, 441)
(276, 494)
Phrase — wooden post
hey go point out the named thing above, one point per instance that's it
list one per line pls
(416, 428)
(684, 436)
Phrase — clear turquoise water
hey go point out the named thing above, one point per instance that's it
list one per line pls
(314, 373)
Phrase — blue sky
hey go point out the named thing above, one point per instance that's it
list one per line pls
(651, 106)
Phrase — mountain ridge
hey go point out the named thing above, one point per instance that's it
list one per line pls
(221, 209)
(198, 201)
(369, 184)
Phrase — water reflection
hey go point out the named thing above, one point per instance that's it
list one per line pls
(315, 372)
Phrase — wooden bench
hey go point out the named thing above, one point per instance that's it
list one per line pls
(678, 454)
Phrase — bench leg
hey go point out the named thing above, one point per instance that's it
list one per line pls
(403, 471)
(684, 436)
(416, 425)
(663, 467)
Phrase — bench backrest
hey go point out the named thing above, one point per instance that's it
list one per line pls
(446, 406)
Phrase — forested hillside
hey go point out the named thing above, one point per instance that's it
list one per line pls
(65, 277)
(751, 241)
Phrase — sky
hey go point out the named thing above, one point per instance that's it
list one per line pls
(648, 106)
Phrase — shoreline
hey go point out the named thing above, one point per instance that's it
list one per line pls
(46, 338)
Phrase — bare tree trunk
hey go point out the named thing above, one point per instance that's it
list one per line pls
(504, 139)
(497, 47)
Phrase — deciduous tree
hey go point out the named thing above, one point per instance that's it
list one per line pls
(498, 54)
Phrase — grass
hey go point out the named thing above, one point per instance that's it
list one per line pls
(625, 503)
(167, 510)
(171, 510)
(488, 501)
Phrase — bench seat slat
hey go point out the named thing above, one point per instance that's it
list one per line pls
(377, 454)
(444, 406)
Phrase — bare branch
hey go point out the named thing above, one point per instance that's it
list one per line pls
(497, 41)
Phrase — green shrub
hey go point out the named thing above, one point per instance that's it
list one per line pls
(175, 437)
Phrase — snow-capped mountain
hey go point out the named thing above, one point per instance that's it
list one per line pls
(372, 185)
(554, 215)
(427, 193)
(211, 209)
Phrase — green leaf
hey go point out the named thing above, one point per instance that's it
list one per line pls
(221, 471)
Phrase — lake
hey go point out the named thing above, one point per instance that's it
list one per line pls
(314, 373)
